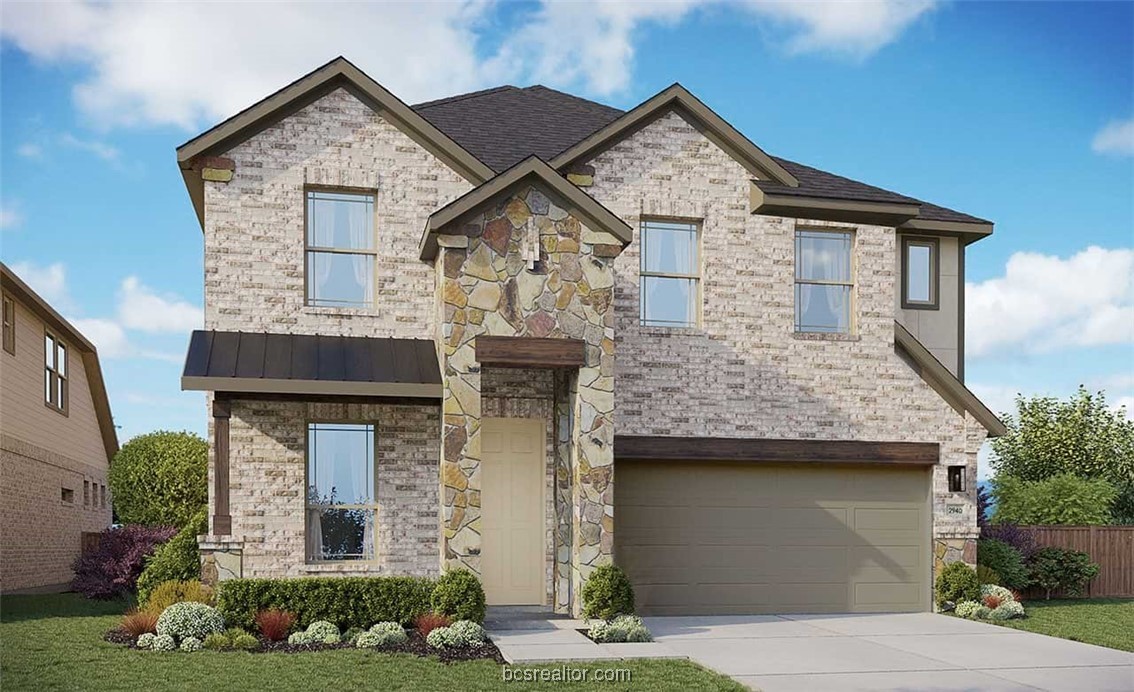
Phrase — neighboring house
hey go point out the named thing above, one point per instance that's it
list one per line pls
(525, 333)
(56, 442)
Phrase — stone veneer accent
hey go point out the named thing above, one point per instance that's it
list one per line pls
(744, 372)
(485, 287)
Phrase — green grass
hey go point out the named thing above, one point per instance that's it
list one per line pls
(1102, 621)
(55, 643)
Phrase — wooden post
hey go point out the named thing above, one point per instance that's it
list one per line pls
(222, 520)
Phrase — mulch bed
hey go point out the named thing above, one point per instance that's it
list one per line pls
(415, 646)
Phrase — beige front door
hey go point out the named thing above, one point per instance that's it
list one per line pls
(512, 507)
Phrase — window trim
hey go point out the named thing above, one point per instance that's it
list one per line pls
(309, 560)
(852, 321)
(308, 248)
(698, 227)
(52, 372)
(9, 321)
(934, 245)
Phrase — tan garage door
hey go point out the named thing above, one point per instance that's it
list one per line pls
(720, 538)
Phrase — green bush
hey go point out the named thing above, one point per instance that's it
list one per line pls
(957, 582)
(607, 594)
(217, 642)
(624, 628)
(190, 644)
(459, 595)
(345, 601)
(460, 634)
(1004, 560)
(967, 609)
(244, 642)
(987, 575)
(1064, 499)
(175, 560)
(1062, 570)
(160, 479)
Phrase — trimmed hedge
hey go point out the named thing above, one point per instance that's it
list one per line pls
(459, 595)
(345, 601)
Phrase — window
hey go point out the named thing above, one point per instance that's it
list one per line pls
(54, 373)
(9, 325)
(669, 284)
(102, 494)
(956, 479)
(340, 249)
(340, 491)
(67, 495)
(824, 283)
(920, 262)
(86, 493)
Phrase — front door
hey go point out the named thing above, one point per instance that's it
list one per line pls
(512, 508)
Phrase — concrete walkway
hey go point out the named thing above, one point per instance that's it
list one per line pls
(915, 651)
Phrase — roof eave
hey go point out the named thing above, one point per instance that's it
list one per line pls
(830, 209)
(968, 232)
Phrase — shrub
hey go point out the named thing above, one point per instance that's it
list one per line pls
(170, 592)
(987, 575)
(624, 628)
(145, 640)
(1007, 611)
(458, 594)
(299, 639)
(389, 633)
(160, 478)
(112, 570)
(274, 623)
(427, 622)
(323, 632)
(607, 594)
(217, 642)
(967, 609)
(991, 601)
(1062, 570)
(460, 634)
(163, 642)
(190, 644)
(1063, 499)
(351, 635)
(999, 592)
(1005, 560)
(345, 601)
(245, 642)
(367, 640)
(1019, 538)
(138, 622)
(957, 582)
(176, 560)
(182, 620)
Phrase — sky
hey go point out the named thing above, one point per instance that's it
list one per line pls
(1019, 112)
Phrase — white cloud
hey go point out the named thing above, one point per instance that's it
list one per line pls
(10, 215)
(419, 51)
(142, 309)
(1044, 303)
(107, 335)
(1116, 138)
(50, 282)
(102, 150)
(30, 150)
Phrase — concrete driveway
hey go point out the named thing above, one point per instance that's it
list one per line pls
(915, 651)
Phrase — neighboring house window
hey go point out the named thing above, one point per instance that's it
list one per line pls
(54, 373)
(824, 281)
(341, 507)
(669, 285)
(920, 281)
(67, 495)
(102, 494)
(9, 325)
(86, 493)
(341, 249)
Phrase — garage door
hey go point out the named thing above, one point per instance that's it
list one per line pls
(721, 538)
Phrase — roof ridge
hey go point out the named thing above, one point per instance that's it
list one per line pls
(462, 97)
(573, 97)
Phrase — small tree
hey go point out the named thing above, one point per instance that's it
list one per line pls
(1062, 570)
(160, 478)
(1063, 499)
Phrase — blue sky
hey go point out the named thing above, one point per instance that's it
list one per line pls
(1022, 113)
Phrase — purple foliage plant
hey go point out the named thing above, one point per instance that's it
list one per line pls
(112, 569)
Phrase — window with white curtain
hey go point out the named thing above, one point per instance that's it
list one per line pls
(341, 507)
(669, 283)
(341, 249)
(824, 281)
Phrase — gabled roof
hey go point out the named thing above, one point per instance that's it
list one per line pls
(946, 383)
(338, 73)
(531, 169)
(716, 128)
(15, 286)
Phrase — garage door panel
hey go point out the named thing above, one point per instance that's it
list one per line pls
(734, 539)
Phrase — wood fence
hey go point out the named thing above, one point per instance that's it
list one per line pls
(1111, 547)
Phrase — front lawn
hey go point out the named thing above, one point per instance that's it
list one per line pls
(55, 643)
(1101, 621)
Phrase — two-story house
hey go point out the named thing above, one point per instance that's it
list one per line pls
(525, 333)
(57, 439)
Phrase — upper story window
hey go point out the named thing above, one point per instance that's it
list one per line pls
(9, 325)
(824, 281)
(341, 491)
(669, 284)
(54, 373)
(341, 249)
(920, 280)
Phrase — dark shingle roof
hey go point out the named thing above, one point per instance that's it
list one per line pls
(505, 125)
